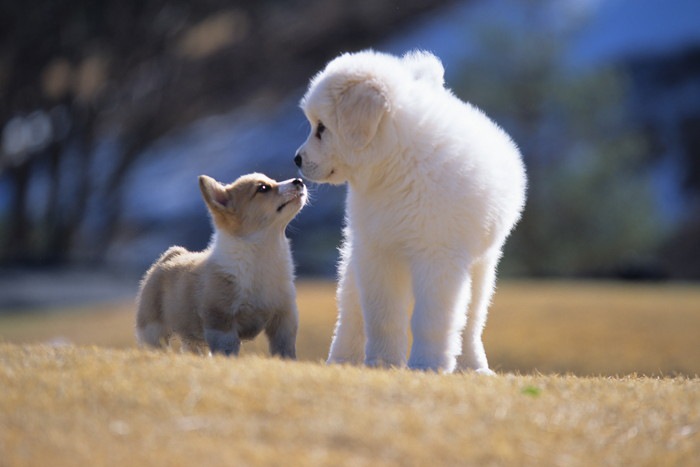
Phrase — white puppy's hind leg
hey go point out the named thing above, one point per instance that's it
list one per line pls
(348, 345)
(442, 292)
(385, 296)
(473, 353)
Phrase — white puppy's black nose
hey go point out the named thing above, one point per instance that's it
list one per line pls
(298, 182)
(297, 160)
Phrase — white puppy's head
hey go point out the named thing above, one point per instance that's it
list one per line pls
(351, 107)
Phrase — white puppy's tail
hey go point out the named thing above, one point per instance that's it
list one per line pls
(425, 67)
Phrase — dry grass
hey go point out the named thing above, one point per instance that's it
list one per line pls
(82, 405)
(587, 329)
(596, 328)
(94, 406)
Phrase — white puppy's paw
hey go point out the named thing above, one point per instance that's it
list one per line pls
(432, 367)
(343, 361)
(484, 371)
(383, 363)
(439, 362)
(428, 368)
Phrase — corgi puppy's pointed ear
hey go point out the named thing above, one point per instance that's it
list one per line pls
(214, 193)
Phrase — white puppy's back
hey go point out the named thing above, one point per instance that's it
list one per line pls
(425, 66)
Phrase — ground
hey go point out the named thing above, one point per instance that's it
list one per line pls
(89, 397)
(583, 328)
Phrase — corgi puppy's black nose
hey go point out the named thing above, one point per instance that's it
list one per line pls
(298, 182)
(297, 160)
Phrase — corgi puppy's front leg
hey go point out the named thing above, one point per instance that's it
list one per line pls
(226, 343)
(220, 332)
(281, 332)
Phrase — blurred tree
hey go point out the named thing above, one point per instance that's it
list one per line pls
(76, 74)
(666, 98)
(590, 208)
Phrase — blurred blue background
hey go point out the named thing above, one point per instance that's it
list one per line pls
(110, 109)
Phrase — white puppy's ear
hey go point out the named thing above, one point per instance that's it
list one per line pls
(360, 107)
(214, 193)
(425, 67)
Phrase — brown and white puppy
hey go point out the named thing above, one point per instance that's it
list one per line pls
(242, 284)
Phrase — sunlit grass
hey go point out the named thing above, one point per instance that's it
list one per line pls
(103, 402)
(550, 327)
(95, 406)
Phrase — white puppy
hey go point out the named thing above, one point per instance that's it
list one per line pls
(435, 187)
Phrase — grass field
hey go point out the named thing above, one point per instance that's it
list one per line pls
(549, 327)
(100, 401)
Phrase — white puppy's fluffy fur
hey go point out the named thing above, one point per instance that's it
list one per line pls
(435, 187)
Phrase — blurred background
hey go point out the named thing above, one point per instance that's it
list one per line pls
(110, 109)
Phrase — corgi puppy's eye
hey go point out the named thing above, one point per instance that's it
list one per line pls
(320, 129)
(263, 188)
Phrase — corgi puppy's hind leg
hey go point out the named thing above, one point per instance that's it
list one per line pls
(152, 335)
(150, 327)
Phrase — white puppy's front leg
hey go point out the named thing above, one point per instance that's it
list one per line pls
(385, 297)
(442, 293)
(348, 345)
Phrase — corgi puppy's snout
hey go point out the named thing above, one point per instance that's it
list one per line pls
(293, 192)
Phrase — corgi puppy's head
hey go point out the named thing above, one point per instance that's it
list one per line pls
(252, 203)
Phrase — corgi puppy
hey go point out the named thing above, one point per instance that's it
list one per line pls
(242, 284)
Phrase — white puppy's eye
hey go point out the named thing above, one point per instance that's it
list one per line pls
(320, 129)
(263, 188)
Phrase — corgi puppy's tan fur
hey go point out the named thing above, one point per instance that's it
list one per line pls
(242, 284)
